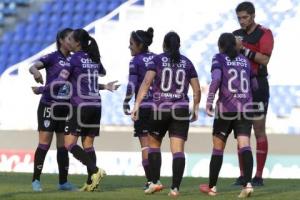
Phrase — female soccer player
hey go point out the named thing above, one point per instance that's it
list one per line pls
(84, 120)
(171, 74)
(55, 64)
(232, 76)
(139, 42)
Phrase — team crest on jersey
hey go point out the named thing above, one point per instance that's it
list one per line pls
(46, 123)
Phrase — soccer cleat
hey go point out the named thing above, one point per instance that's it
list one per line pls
(246, 191)
(204, 188)
(146, 186)
(85, 188)
(154, 188)
(67, 187)
(239, 181)
(257, 181)
(173, 193)
(36, 186)
(96, 178)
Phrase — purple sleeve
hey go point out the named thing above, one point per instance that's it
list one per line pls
(132, 80)
(193, 72)
(216, 64)
(46, 60)
(152, 65)
(214, 85)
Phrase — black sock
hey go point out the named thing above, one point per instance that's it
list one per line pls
(145, 164)
(39, 158)
(92, 154)
(63, 164)
(248, 163)
(215, 167)
(83, 157)
(178, 169)
(154, 158)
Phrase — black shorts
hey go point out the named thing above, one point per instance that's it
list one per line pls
(175, 121)
(84, 121)
(141, 126)
(52, 118)
(261, 97)
(224, 123)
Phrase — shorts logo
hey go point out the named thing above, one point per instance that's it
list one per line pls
(46, 123)
(78, 130)
(222, 133)
(155, 133)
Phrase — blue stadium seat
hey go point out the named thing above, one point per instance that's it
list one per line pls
(10, 9)
(40, 29)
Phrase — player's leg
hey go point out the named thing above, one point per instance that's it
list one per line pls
(214, 166)
(45, 128)
(88, 146)
(141, 131)
(247, 159)
(63, 164)
(73, 131)
(222, 127)
(157, 130)
(240, 180)
(90, 118)
(60, 113)
(45, 139)
(154, 157)
(242, 131)
(145, 162)
(178, 164)
(259, 126)
(178, 132)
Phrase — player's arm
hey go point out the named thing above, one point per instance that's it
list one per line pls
(58, 82)
(216, 77)
(34, 70)
(111, 86)
(256, 56)
(194, 82)
(266, 44)
(149, 77)
(132, 83)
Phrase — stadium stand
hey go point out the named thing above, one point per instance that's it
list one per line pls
(39, 30)
(198, 41)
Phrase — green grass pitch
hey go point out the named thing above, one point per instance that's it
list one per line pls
(18, 186)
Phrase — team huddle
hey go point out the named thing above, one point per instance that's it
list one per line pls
(70, 104)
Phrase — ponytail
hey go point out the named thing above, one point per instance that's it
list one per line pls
(88, 44)
(172, 45)
(93, 50)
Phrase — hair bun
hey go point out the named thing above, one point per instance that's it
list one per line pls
(150, 31)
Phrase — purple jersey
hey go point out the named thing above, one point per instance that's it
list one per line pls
(84, 79)
(137, 70)
(171, 83)
(54, 63)
(235, 93)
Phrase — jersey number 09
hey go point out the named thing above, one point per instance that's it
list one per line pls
(167, 78)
